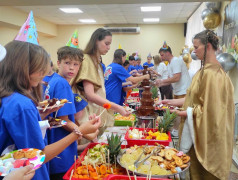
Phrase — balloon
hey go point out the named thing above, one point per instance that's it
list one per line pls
(193, 56)
(211, 21)
(226, 60)
(187, 58)
(191, 49)
(206, 12)
(186, 51)
(215, 6)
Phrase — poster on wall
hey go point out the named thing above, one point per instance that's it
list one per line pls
(230, 31)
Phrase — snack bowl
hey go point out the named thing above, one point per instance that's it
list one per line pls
(172, 175)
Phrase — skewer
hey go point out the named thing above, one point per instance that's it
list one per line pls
(108, 158)
(128, 174)
(45, 108)
(101, 112)
(75, 163)
(87, 167)
(72, 172)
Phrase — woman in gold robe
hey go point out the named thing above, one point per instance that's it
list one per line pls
(89, 81)
(206, 131)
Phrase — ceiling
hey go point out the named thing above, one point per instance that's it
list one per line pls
(107, 12)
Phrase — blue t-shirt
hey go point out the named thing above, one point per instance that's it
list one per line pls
(59, 88)
(114, 75)
(147, 64)
(79, 102)
(47, 79)
(130, 68)
(19, 125)
(139, 67)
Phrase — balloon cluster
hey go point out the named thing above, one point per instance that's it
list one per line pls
(186, 55)
(227, 61)
(211, 16)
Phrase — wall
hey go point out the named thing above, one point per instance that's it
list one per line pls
(52, 36)
(149, 40)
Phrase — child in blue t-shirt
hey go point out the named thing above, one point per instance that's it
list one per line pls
(48, 77)
(149, 63)
(116, 74)
(69, 61)
(19, 97)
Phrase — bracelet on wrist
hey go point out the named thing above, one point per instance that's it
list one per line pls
(78, 132)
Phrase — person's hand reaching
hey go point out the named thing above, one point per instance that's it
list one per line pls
(23, 173)
(90, 126)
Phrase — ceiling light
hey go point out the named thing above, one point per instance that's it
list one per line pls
(71, 10)
(151, 19)
(150, 8)
(87, 20)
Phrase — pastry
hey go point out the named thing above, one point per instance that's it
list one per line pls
(30, 154)
(19, 154)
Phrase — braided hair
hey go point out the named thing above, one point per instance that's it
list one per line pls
(205, 37)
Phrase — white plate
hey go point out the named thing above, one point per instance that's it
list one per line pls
(49, 107)
(63, 123)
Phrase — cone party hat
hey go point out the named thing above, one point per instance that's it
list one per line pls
(28, 32)
(73, 40)
(165, 46)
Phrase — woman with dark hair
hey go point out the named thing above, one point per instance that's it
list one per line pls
(207, 126)
(21, 73)
(116, 74)
(89, 82)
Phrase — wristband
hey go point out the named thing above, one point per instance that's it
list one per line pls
(78, 132)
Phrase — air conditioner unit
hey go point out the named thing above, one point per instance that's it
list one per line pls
(123, 30)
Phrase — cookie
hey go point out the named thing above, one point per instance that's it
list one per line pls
(30, 154)
(18, 154)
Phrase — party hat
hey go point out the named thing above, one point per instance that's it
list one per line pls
(28, 32)
(136, 56)
(165, 46)
(149, 55)
(73, 40)
(119, 47)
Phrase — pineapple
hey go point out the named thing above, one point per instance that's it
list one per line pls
(154, 92)
(167, 122)
(114, 146)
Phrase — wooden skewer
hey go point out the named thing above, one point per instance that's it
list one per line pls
(74, 163)
(128, 174)
(45, 108)
(101, 112)
(108, 157)
(72, 172)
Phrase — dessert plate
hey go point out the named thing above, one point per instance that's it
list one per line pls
(19, 158)
(60, 125)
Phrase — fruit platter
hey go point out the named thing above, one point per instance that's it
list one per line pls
(164, 107)
(142, 136)
(125, 120)
(97, 161)
(158, 161)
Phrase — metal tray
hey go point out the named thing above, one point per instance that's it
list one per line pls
(154, 176)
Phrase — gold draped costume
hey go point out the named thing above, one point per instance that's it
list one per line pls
(211, 97)
(90, 72)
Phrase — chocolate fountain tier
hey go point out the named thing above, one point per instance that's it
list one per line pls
(146, 111)
(147, 102)
(145, 82)
(146, 108)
